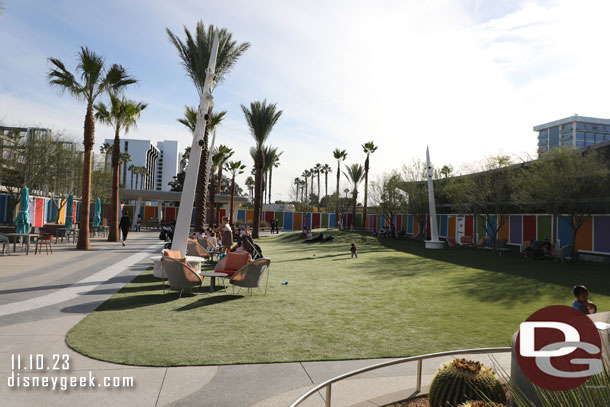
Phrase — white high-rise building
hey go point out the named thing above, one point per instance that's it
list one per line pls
(161, 162)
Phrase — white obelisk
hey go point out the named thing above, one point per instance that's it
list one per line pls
(433, 243)
(183, 222)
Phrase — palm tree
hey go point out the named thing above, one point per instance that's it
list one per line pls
(369, 148)
(326, 169)
(195, 52)
(106, 149)
(143, 173)
(190, 121)
(224, 154)
(235, 168)
(122, 114)
(272, 159)
(340, 155)
(312, 173)
(125, 158)
(318, 170)
(131, 169)
(250, 185)
(446, 171)
(346, 191)
(261, 118)
(354, 173)
(94, 80)
(306, 176)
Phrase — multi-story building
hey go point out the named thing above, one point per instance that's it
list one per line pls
(574, 132)
(161, 162)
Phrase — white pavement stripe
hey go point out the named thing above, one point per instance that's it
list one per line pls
(79, 288)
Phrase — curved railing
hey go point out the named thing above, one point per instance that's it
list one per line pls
(420, 358)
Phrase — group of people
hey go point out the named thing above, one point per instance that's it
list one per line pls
(222, 237)
(275, 226)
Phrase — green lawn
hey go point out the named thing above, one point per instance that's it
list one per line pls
(396, 299)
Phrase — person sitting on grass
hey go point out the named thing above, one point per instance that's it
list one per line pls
(582, 302)
(354, 250)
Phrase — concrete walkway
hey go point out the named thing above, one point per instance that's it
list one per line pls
(42, 297)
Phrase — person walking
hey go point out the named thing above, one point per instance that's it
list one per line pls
(125, 225)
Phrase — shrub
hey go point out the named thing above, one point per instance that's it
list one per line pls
(461, 380)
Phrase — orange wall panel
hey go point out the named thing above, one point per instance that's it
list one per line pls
(584, 240)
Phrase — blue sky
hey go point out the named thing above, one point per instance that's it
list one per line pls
(469, 78)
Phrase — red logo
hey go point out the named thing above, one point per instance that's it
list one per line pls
(559, 348)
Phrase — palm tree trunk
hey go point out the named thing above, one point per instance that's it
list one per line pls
(318, 188)
(212, 192)
(338, 197)
(201, 191)
(354, 207)
(218, 191)
(270, 175)
(232, 196)
(124, 173)
(106, 161)
(326, 184)
(366, 190)
(258, 189)
(306, 190)
(130, 185)
(89, 138)
(113, 232)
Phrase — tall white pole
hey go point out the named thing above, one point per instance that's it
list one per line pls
(433, 243)
(183, 222)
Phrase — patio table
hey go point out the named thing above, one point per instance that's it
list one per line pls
(17, 236)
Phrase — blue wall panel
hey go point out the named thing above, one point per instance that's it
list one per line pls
(288, 220)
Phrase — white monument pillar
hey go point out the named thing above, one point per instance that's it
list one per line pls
(183, 223)
(433, 243)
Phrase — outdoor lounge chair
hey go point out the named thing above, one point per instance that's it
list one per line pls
(562, 253)
(195, 249)
(180, 275)
(481, 243)
(251, 275)
(209, 247)
(232, 262)
(452, 243)
(525, 247)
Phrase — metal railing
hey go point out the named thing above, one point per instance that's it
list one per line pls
(420, 358)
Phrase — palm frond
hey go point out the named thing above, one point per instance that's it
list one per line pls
(194, 52)
(63, 79)
(115, 80)
(261, 118)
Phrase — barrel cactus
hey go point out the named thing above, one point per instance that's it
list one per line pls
(479, 403)
(461, 380)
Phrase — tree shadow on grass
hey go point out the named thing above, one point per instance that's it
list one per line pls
(211, 300)
(508, 279)
(123, 303)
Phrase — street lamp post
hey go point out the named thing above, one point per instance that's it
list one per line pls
(183, 221)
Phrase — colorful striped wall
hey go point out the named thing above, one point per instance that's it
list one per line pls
(593, 236)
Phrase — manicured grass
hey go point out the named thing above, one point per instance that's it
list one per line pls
(396, 299)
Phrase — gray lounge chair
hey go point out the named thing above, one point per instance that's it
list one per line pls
(180, 276)
(195, 249)
(562, 253)
(251, 275)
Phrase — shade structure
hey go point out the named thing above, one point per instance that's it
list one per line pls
(22, 222)
(70, 211)
(97, 217)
